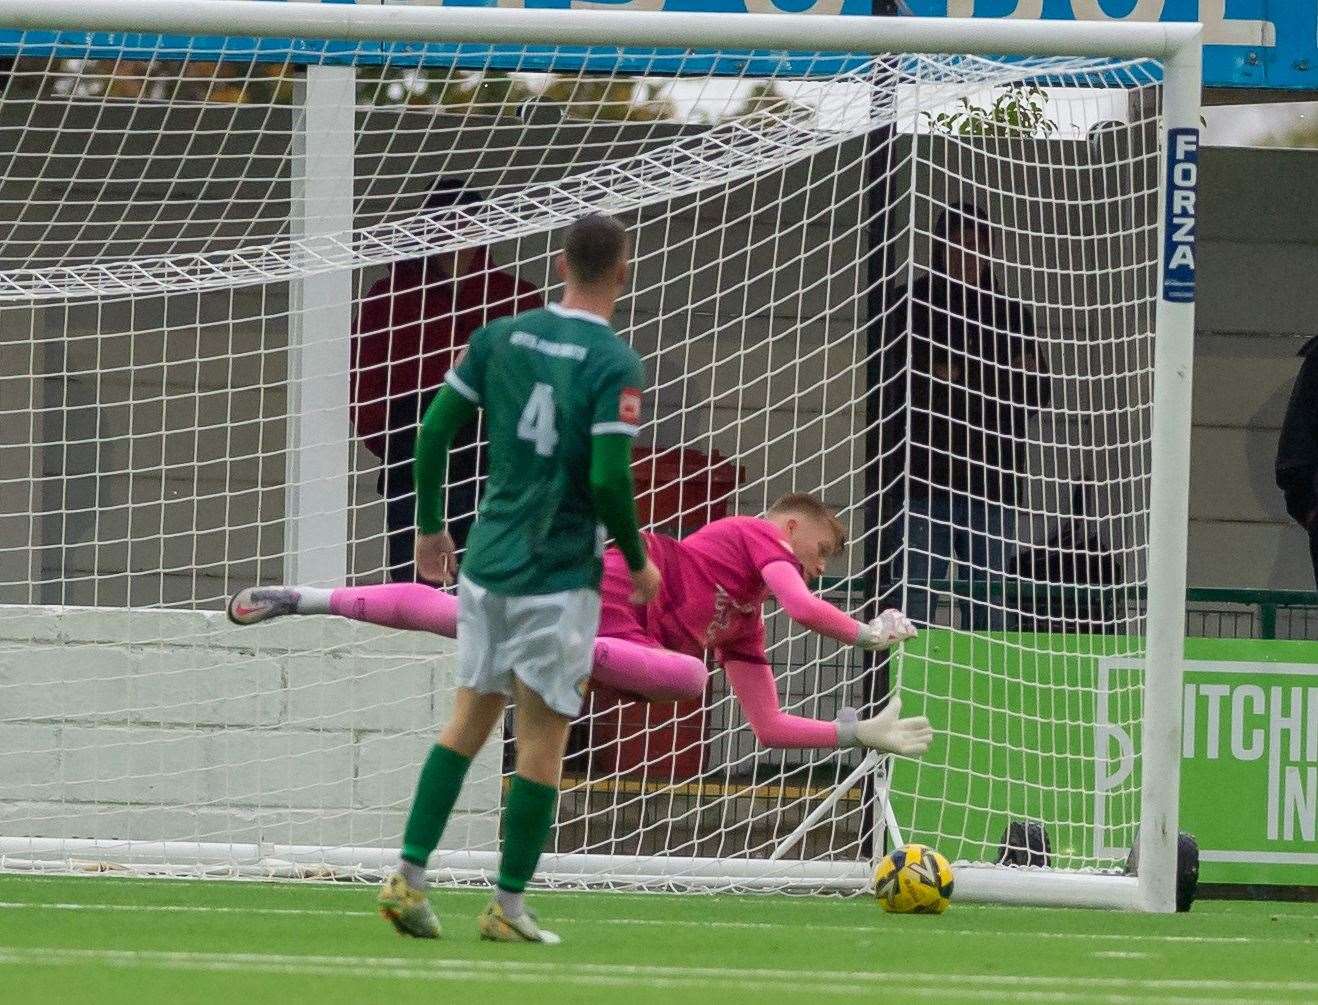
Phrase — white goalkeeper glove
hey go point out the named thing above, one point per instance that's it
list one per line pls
(887, 630)
(885, 732)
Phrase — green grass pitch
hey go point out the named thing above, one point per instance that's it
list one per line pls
(113, 939)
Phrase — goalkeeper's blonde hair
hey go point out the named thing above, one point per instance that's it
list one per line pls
(811, 507)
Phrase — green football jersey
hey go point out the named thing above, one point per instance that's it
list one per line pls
(547, 381)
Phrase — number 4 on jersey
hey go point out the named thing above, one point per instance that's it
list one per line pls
(537, 424)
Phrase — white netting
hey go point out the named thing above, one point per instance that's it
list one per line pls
(993, 471)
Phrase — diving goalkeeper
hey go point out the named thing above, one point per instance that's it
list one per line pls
(715, 583)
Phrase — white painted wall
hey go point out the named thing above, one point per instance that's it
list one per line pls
(168, 725)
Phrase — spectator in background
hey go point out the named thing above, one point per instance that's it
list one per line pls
(1297, 450)
(412, 327)
(976, 378)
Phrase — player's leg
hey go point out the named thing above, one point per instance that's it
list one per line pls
(992, 532)
(549, 645)
(408, 606)
(928, 555)
(483, 690)
(633, 664)
(402, 900)
(627, 656)
(528, 817)
(400, 536)
(642, 669)
(397, 488)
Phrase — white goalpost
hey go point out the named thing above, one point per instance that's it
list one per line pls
(938, 272)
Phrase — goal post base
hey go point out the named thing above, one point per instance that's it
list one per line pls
(1045, 888)
(974, 884)
(274, 861)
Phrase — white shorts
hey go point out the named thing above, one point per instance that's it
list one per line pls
(546, 641)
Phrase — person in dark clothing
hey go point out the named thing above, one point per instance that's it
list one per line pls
(1297, 450)
(411, 328)
(976, 378)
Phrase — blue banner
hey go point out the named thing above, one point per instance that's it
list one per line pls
(1249, 43)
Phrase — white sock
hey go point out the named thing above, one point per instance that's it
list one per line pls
(413, 873)
(311, 600)
(513, 904)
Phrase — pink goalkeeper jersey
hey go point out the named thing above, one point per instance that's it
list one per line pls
(712, 594)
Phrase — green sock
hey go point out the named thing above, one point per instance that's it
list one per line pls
(526, 821)
(436, 793)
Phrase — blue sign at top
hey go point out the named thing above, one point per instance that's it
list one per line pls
(1248, 43)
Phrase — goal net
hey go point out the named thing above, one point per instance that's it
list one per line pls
(922, 287)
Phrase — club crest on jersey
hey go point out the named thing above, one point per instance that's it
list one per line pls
(725, 610)
(629, 405)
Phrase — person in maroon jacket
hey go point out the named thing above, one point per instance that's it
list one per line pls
(411, 328)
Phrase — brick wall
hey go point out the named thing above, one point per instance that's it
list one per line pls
(164, 725)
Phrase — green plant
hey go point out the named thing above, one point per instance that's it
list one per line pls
(1019, 111)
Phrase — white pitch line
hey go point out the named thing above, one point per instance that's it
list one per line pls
(936, 929)
(855, 983)
(184, 909)
(1119, 954)
(457, 974)
(1236, 940)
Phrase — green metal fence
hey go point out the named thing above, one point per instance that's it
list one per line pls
(1251, 614)
(1211, 612)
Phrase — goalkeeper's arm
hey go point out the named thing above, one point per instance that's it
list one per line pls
(754, 685)
(798, 603)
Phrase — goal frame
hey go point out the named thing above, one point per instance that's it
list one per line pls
(1176, 46)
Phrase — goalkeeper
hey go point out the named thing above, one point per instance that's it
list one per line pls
(714, 585)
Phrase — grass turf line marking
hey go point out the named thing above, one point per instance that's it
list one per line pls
(1236, 940)
(641, 970)
(184, 909)
(454, 975)
(1119, 954)
(340, 888)
(848, 983)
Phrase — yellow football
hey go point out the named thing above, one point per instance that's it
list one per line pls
(913, 880)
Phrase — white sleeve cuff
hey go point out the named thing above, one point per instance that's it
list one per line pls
(620, 428)
(462, 387)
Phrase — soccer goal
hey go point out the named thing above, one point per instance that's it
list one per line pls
(938, 272)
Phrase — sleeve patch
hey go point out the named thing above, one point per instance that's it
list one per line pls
(629, 405)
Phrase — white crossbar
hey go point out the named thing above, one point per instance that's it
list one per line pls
(799, 33)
